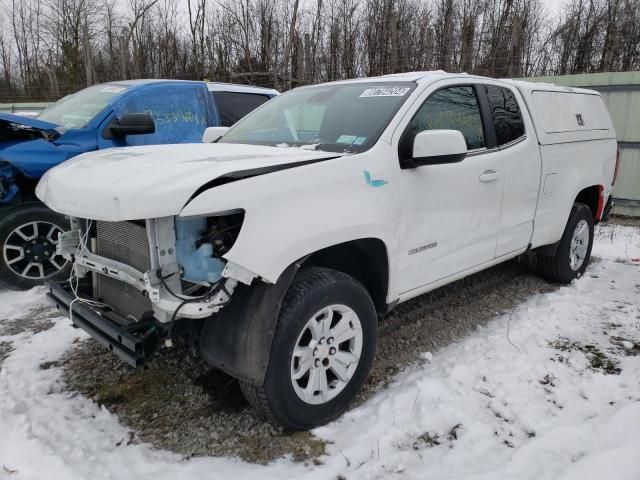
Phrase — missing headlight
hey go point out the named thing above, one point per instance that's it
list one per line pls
(201, 243)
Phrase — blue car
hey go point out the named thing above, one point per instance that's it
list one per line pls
(116, 114)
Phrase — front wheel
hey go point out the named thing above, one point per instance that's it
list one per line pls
(322, 351)
(574, 249)
(28, 237)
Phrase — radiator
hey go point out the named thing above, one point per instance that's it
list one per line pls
(124, 242)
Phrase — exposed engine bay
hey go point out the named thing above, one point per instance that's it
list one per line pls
(202, 242)
(13, 132)
(161, 269)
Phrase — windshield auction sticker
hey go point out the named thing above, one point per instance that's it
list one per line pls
(385, 92)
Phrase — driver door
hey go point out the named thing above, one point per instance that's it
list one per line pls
(449, 213)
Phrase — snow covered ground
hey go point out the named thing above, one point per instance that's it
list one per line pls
(548, 390)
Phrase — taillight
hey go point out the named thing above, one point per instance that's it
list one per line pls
(615, 171)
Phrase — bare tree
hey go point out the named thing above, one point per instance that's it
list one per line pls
(52, 47)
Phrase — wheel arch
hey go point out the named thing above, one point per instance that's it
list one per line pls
(365, 259)
(238, 338)
(592, 197)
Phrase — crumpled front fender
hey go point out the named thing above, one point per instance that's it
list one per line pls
(32, 158)
(238, 338)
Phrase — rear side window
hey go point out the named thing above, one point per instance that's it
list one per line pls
(232, 106)
(452, 108)
(506, 114)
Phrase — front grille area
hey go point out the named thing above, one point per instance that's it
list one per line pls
(124, 242)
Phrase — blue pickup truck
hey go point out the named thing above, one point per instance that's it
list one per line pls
(116, 114)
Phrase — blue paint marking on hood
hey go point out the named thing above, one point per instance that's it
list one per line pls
(28, 122)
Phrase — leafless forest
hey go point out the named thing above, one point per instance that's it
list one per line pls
(49, 48)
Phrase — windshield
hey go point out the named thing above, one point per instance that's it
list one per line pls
(339, 118)
(77, 110)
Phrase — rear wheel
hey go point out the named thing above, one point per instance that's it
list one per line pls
(574, 250)
(28, 238)
(322, 351)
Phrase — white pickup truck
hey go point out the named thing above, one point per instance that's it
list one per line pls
(278, 247)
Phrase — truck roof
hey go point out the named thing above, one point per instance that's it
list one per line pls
(402, 77)
(212, 86)
(525, 86)
(433, 75)
(560, 114)
(233, 87)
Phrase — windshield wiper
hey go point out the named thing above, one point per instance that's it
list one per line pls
(311, 146)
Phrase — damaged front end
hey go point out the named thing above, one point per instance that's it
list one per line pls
(8, 188)
(16, 132)
(132, 280)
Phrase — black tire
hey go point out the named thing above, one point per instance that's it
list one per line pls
(43, 249)
(311, 291)
(557, 268)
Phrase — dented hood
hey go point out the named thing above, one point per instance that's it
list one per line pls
(159, 180)
(16, 121)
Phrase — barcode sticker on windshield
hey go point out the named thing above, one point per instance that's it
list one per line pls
(385, 92)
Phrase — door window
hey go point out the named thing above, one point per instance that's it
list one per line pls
(180, 112)
(452, 108)
(507, 118)
(232, 106)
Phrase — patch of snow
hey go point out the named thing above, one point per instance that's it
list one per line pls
(15, 304)
(427, 356)
(617, 242)
(520, 398)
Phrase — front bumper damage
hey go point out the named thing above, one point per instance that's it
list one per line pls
(164, 293)
(164, 303)
(132, 343)
(134, 339)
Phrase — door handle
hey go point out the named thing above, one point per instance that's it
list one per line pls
(489, 176)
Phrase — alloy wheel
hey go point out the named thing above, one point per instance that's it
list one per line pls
(29, 250)
(579, 245)
(326, 354)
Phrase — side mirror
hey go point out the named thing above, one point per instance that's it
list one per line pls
(434, 147)
(213, 134)
(132, 124)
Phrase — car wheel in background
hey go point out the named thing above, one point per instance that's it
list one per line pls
(28, 237)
